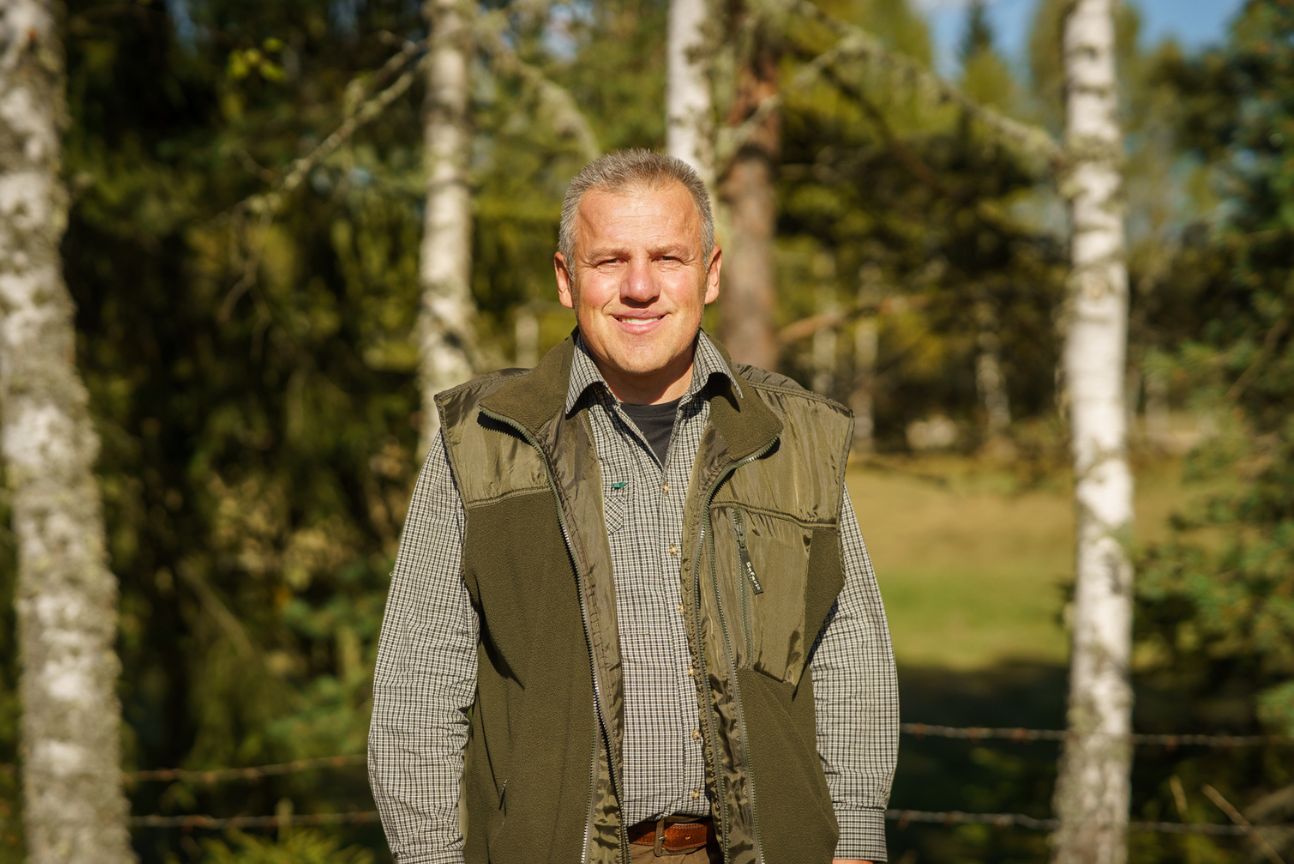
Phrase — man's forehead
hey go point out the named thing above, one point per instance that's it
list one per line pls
(662, 204)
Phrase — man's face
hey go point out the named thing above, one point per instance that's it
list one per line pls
(638, 285)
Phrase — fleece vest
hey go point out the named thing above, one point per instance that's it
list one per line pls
(760, 571)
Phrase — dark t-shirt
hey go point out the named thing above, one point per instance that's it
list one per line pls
(656, 422)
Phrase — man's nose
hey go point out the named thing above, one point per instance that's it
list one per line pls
(640, 282)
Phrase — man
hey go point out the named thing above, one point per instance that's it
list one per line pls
(631, 609)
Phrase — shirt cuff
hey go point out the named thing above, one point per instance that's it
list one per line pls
(862, 834)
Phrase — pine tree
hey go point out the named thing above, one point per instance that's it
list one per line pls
(747, 192)
(1214, 598)
(978, 35)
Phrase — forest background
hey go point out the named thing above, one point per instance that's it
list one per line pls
(247, 296)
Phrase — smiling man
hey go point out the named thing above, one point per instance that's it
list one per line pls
(632, 616)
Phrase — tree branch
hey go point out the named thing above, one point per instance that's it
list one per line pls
(564, 110)
(803, 328)
(855, 42)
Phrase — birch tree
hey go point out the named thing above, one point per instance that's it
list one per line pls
(73, 805)
(1092, 791)
(689, 127)
(447, 314)
(990, 380)
(862, 398)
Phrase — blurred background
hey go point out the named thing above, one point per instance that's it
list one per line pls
(251, 233)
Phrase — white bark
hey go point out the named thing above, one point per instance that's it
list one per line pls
(990, 381)
(526, 329)
(73, 805)
(689, 123)
(447, 315)
(1157, 427)
(825, 338)
(866, 349)
(1092, 791)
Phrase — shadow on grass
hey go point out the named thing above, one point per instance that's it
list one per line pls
(976, 776)
(1003, 776)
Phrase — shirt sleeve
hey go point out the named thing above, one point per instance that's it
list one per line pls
(856, 701)
(425, 680)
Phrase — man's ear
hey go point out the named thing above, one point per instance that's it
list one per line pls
(712, 275)
(565, 281)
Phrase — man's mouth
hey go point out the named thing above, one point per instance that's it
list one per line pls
(639, 323)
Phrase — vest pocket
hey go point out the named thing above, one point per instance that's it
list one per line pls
(762, 565)
(500, 815)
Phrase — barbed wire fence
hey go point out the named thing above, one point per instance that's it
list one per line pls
(1240, 828)
(1020, 734)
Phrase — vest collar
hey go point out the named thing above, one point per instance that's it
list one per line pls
(537, 398)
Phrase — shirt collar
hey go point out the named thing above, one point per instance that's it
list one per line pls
(707, 363)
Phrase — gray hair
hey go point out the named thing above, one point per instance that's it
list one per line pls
(621, 169)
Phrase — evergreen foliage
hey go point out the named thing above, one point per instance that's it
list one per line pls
(1216, 610)
(978, 35)
(252, 365)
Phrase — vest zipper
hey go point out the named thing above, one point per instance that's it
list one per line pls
(744, 587)
(732, 668)
(748, 567)
(588, 638)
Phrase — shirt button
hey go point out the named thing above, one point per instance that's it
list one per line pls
(665, 488)
(679, 607)
(696, 734)
(673, 550)
(696, 793)
(691, 672)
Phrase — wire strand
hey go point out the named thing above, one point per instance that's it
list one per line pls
(1013, 733)
(1035, 823)
(251, 772)
(286, 820)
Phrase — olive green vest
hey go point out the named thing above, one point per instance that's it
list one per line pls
(760, 571)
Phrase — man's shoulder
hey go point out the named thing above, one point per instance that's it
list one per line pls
(462, 400)
(481, 385)
(786, 391)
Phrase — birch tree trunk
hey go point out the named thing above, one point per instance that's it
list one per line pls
(689, 128)
(1092, 791)
(990, 381)
(826, 339)
(866, 349)
(746, 316)
(73, 805)
(446, 320)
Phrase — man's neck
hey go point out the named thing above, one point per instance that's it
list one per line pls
(637, 392)
(653, 388)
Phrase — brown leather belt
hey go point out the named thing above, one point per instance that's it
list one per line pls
(672, 837)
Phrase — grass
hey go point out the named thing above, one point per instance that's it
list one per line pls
(974, 562)
(974, 565)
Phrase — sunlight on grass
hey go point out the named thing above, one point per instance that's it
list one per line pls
(972, 565)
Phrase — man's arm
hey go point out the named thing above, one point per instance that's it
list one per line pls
(857, 702)
(425, 679)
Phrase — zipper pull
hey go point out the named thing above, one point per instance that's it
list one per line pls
(739, 525)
